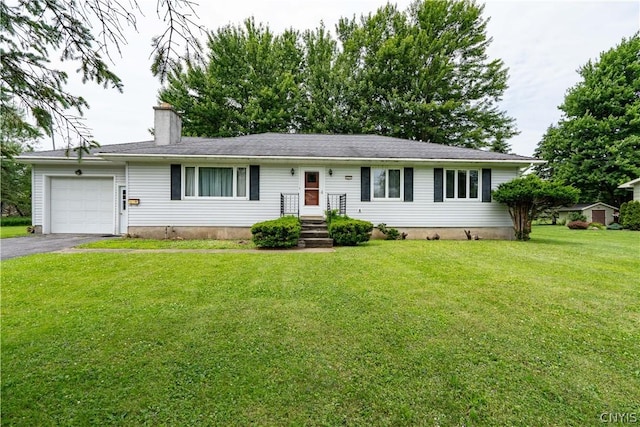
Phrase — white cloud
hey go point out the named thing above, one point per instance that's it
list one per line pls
(544, 44)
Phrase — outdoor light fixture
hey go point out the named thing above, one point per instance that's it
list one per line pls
(78, 172)
(330, 172)
(293, 171)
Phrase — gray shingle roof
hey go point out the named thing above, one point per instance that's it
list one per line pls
(582, 206)
(274, 145)
(113, 148)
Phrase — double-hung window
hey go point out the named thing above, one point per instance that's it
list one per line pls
(222, 182)
(387, 183)
(462, 183)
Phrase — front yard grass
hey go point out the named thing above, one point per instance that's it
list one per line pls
(390, 333)
(13, 231)
(134, 243)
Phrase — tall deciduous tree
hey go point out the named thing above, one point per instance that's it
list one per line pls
(529, 196)
(596, 144)
(420, 74)
(33, 32)
(424, 74)
(250, 83)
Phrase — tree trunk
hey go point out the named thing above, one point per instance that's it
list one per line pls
(521, 221)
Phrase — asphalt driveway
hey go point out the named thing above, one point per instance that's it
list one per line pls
(40, 243)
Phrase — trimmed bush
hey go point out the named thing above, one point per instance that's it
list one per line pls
(630, 215)
(578, 225)
(9, 221)
(576, 216)
(346, 231)
(389, 233)
(614, 226)
(597, 225)
(277, 233)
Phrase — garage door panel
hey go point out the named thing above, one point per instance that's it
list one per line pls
(82, 205)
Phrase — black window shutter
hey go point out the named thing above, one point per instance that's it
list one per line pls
(486, 185)
(254, 182)
(365, 184)
(176, 182)
(438, 187)
(408, 184)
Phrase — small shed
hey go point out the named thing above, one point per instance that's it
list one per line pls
(595, 212)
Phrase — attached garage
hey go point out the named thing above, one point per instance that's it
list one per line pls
(81, 205)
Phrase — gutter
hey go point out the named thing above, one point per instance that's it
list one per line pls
(311, 159)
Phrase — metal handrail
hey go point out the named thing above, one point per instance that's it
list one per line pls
(290, 204)
(337, 201)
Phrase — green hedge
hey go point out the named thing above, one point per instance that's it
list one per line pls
(346, 231)
(630, 215)
(277, 233)
(9, 221)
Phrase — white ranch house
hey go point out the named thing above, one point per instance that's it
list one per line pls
(187, 187)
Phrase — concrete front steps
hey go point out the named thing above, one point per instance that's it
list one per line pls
(314, 233)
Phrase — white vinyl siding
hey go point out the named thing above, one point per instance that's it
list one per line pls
(151, 183)
(422, 211)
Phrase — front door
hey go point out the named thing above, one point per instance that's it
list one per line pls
(122, 209)
(312, 192)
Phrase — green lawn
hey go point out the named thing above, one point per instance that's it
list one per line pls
(129, 243)
(13, 231)
(545, 332)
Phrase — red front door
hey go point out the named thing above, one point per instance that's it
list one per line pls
(311, 188)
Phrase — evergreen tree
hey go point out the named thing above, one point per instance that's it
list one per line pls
(84, 33)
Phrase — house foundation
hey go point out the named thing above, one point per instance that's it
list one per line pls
(234, 233)
(452, 233)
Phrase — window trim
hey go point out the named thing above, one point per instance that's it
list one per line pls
(386, 194)
(196, 179)
(467, 188)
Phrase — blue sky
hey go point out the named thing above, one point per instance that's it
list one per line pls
(543, 43)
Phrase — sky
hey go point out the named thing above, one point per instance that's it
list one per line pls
(542, 43)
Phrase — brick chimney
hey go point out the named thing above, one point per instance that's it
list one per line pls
(167, 125)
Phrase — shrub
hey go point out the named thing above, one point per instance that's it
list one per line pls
(389, 233)
(630, 215)
(331, 215)
(578, 225)
(346, 231)
(597, 225)
(277, 233)
(614, 226)
(9, 221)
(576, 216)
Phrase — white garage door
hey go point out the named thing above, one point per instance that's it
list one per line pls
(82, 205)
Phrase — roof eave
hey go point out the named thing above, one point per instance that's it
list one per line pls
(34, 160)
(630, 184)
(160, 157)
